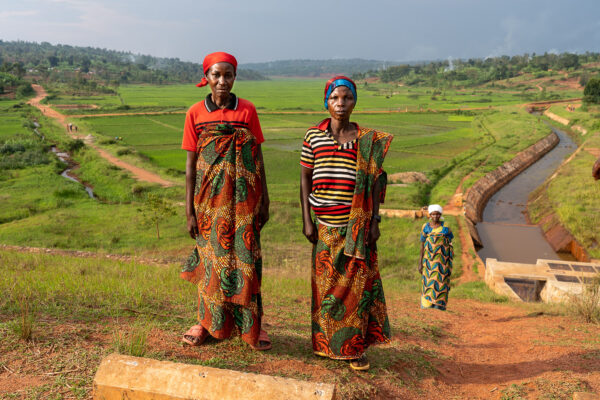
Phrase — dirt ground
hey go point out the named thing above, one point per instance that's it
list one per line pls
(483, 351)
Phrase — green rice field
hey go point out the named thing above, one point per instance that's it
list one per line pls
(11, 120)
(446, 146)
(422, 142)
(296, 95)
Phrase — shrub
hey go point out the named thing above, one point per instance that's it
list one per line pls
(75, 145)
(133, 343)
(155, 209)
(20, 152)
(138, 189)
(108, 141)
(175, 172)
(23, 326)
(28, 124)
(68, 193)
(24, 90)
(591, 93)
(587, 304)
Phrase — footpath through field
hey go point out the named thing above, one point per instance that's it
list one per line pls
(138, 173)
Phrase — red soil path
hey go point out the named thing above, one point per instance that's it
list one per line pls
(138, 173)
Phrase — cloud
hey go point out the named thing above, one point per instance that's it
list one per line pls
(13, 14)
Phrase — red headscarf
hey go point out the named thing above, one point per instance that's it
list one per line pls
(214, 58)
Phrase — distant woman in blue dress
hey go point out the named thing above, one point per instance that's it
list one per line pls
(435, 265)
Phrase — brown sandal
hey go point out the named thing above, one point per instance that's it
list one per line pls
(264, 343)
(195, 336)
(360, 364)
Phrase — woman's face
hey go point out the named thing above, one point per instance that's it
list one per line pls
(435, 216)
(340, 103)
(220, 78)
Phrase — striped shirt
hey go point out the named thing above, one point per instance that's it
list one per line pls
(334, 174)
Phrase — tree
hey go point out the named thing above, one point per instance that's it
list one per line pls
(156, 209)
(85, 65)
(591, 93)
(53, 61)
(24, 90)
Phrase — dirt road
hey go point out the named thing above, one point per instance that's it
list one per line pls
(138, 173)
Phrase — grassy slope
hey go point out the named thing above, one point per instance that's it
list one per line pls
(103, 306)
(503, 132)
(577, 209)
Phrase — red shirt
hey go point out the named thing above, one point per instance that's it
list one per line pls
(239, 113)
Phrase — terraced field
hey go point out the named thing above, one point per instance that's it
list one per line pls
(11, 122)
(422, 142)
(293, 95)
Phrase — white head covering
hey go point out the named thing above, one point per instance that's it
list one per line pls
(433, 208)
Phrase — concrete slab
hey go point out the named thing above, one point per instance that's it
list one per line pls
(585, 396)
(134, 378)
(550, 281)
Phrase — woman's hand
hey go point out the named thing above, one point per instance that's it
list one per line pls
(374, 233)
(192, 226)
(311, 232)
(596, 169)
(420, 267)
(263, 214)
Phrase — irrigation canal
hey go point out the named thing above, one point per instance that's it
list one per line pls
(504, 231)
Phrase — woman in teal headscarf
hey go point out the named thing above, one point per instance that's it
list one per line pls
(343, 182)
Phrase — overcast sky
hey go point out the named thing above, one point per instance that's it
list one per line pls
(266, 30)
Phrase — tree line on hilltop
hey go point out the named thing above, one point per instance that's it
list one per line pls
(477, 71)
(88, 69)
(317, 68)
(94, 68)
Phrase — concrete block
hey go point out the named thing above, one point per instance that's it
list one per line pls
(585, 396)
(134, 378)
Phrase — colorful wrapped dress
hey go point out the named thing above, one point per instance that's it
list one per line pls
(348, 304)
(437, 265)
(226, 262)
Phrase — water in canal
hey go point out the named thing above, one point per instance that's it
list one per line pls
(505, 233)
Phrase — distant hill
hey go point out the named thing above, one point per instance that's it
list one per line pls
(478, 71)
(314, 68)
(65, 63)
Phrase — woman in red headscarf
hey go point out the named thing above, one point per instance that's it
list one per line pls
(227, 204)
(343, 182)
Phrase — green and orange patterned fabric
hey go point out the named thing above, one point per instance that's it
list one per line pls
(226, 262)
(372, 148)
(348, 304)
(437, 265)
